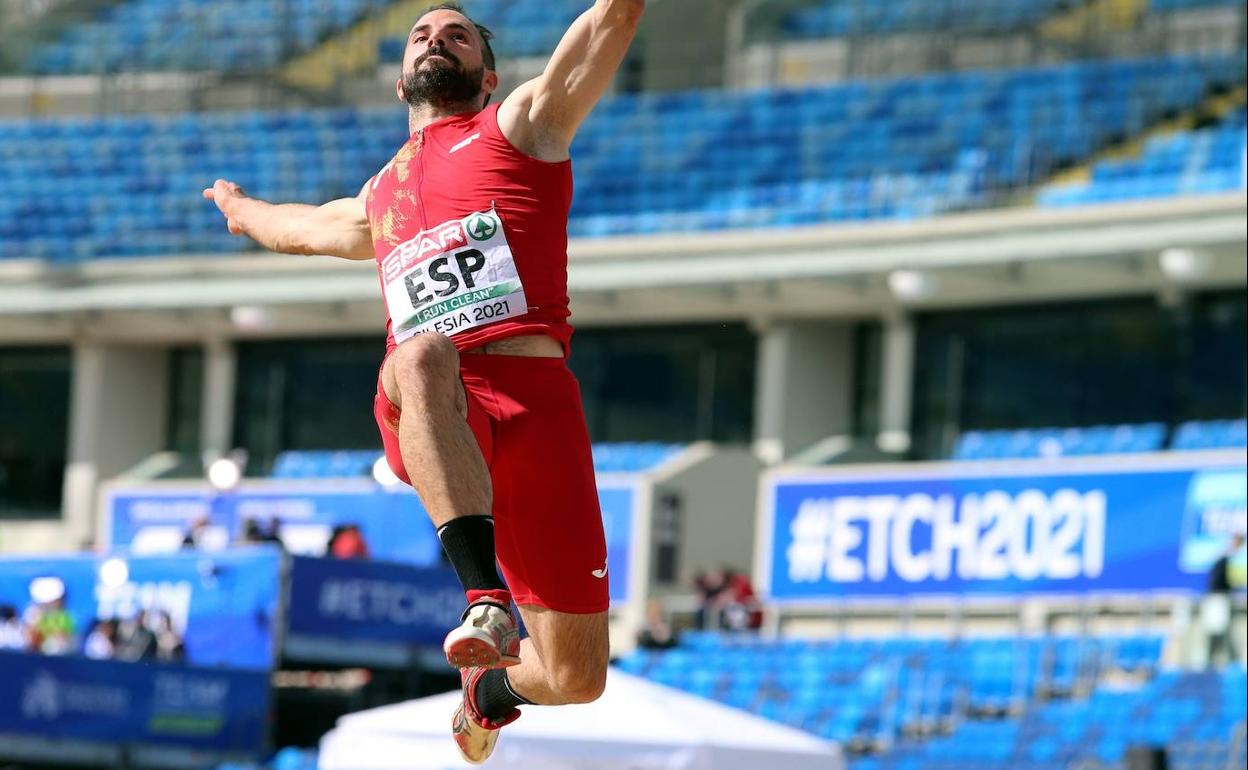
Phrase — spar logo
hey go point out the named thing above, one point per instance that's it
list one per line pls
(481, 226)
(48, 698)
(436, 240)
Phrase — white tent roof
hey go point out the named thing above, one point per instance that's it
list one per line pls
(636, 725)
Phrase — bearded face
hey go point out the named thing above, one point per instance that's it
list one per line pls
(438, 79)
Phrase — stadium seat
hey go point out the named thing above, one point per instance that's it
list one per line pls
(1204, 161)
(324, 464)
(1060, 442)
(871, 691)
(897, 149)
(622, 457)
(195, 35)
(522, 27)
(625, 457)
(1215, 434)
(844, 18)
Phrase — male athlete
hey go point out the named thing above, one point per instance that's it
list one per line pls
(476, 405)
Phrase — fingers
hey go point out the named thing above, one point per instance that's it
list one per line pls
(222, 189)
(221, 192)
(227, 187)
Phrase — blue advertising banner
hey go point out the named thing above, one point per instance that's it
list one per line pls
(618, 501)
(370, 601)
(393, 523)
(132, 703)
(1026, 529)
(221, 605)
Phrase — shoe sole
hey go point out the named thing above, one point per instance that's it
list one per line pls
(476, 653)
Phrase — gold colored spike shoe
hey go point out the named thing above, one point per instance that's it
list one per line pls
(487, 638)
(475, 736)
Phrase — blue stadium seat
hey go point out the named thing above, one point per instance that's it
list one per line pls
(1191, 714)
(195, 35)
(625, 457)
(300, 464)
(1183, 5)
(1204, 161)
(521, 27)
(843, 18)
(1060, 442)
(1213, 434)
(898, 148)
(621, 457)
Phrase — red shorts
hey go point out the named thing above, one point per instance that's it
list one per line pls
(527, 417)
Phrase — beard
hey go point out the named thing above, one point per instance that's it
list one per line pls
(442, 84)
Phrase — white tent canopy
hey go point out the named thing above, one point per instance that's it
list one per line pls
(636, 725)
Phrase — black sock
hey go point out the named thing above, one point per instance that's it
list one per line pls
(495, 697)
(469, 545)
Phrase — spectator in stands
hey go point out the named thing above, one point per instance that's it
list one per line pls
(53, 630)
(169, 645)
(657, 635)
(12, 633)
(254, 533)
(197, 533)
(728, 601)
(135, 641)
(710, 587)
(743, 611)
(347, 542)
(101, 641)
(1216, 610)
(251, 532)
(274, 533)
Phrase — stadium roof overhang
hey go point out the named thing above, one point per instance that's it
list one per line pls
(978, 259)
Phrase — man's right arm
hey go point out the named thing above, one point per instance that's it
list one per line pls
(336, 229)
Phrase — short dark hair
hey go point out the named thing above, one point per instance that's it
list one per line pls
(487, 57)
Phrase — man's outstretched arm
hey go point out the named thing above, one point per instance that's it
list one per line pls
(336, 229)
(542, 116)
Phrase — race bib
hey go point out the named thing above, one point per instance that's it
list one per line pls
(453, 277)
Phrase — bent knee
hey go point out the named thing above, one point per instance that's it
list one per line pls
(425, 358)
(581, 684)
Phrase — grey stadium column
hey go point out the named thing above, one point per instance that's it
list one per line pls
(117, 417)
(896, 384)
(804, 386)
(217, 417)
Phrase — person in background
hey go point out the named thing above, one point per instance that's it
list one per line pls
(196, 533)
(101, 641)
(742, 612)
(169, 646)
(12, 633)
(657, 635)
(135, 641)
(710, 587)
(347, 542)
(728, 601)
(251, 532)
(1215, 610)
(54, 630)
(274, 533)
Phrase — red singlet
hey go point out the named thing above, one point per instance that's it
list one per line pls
(445, 263)
(471, 242)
